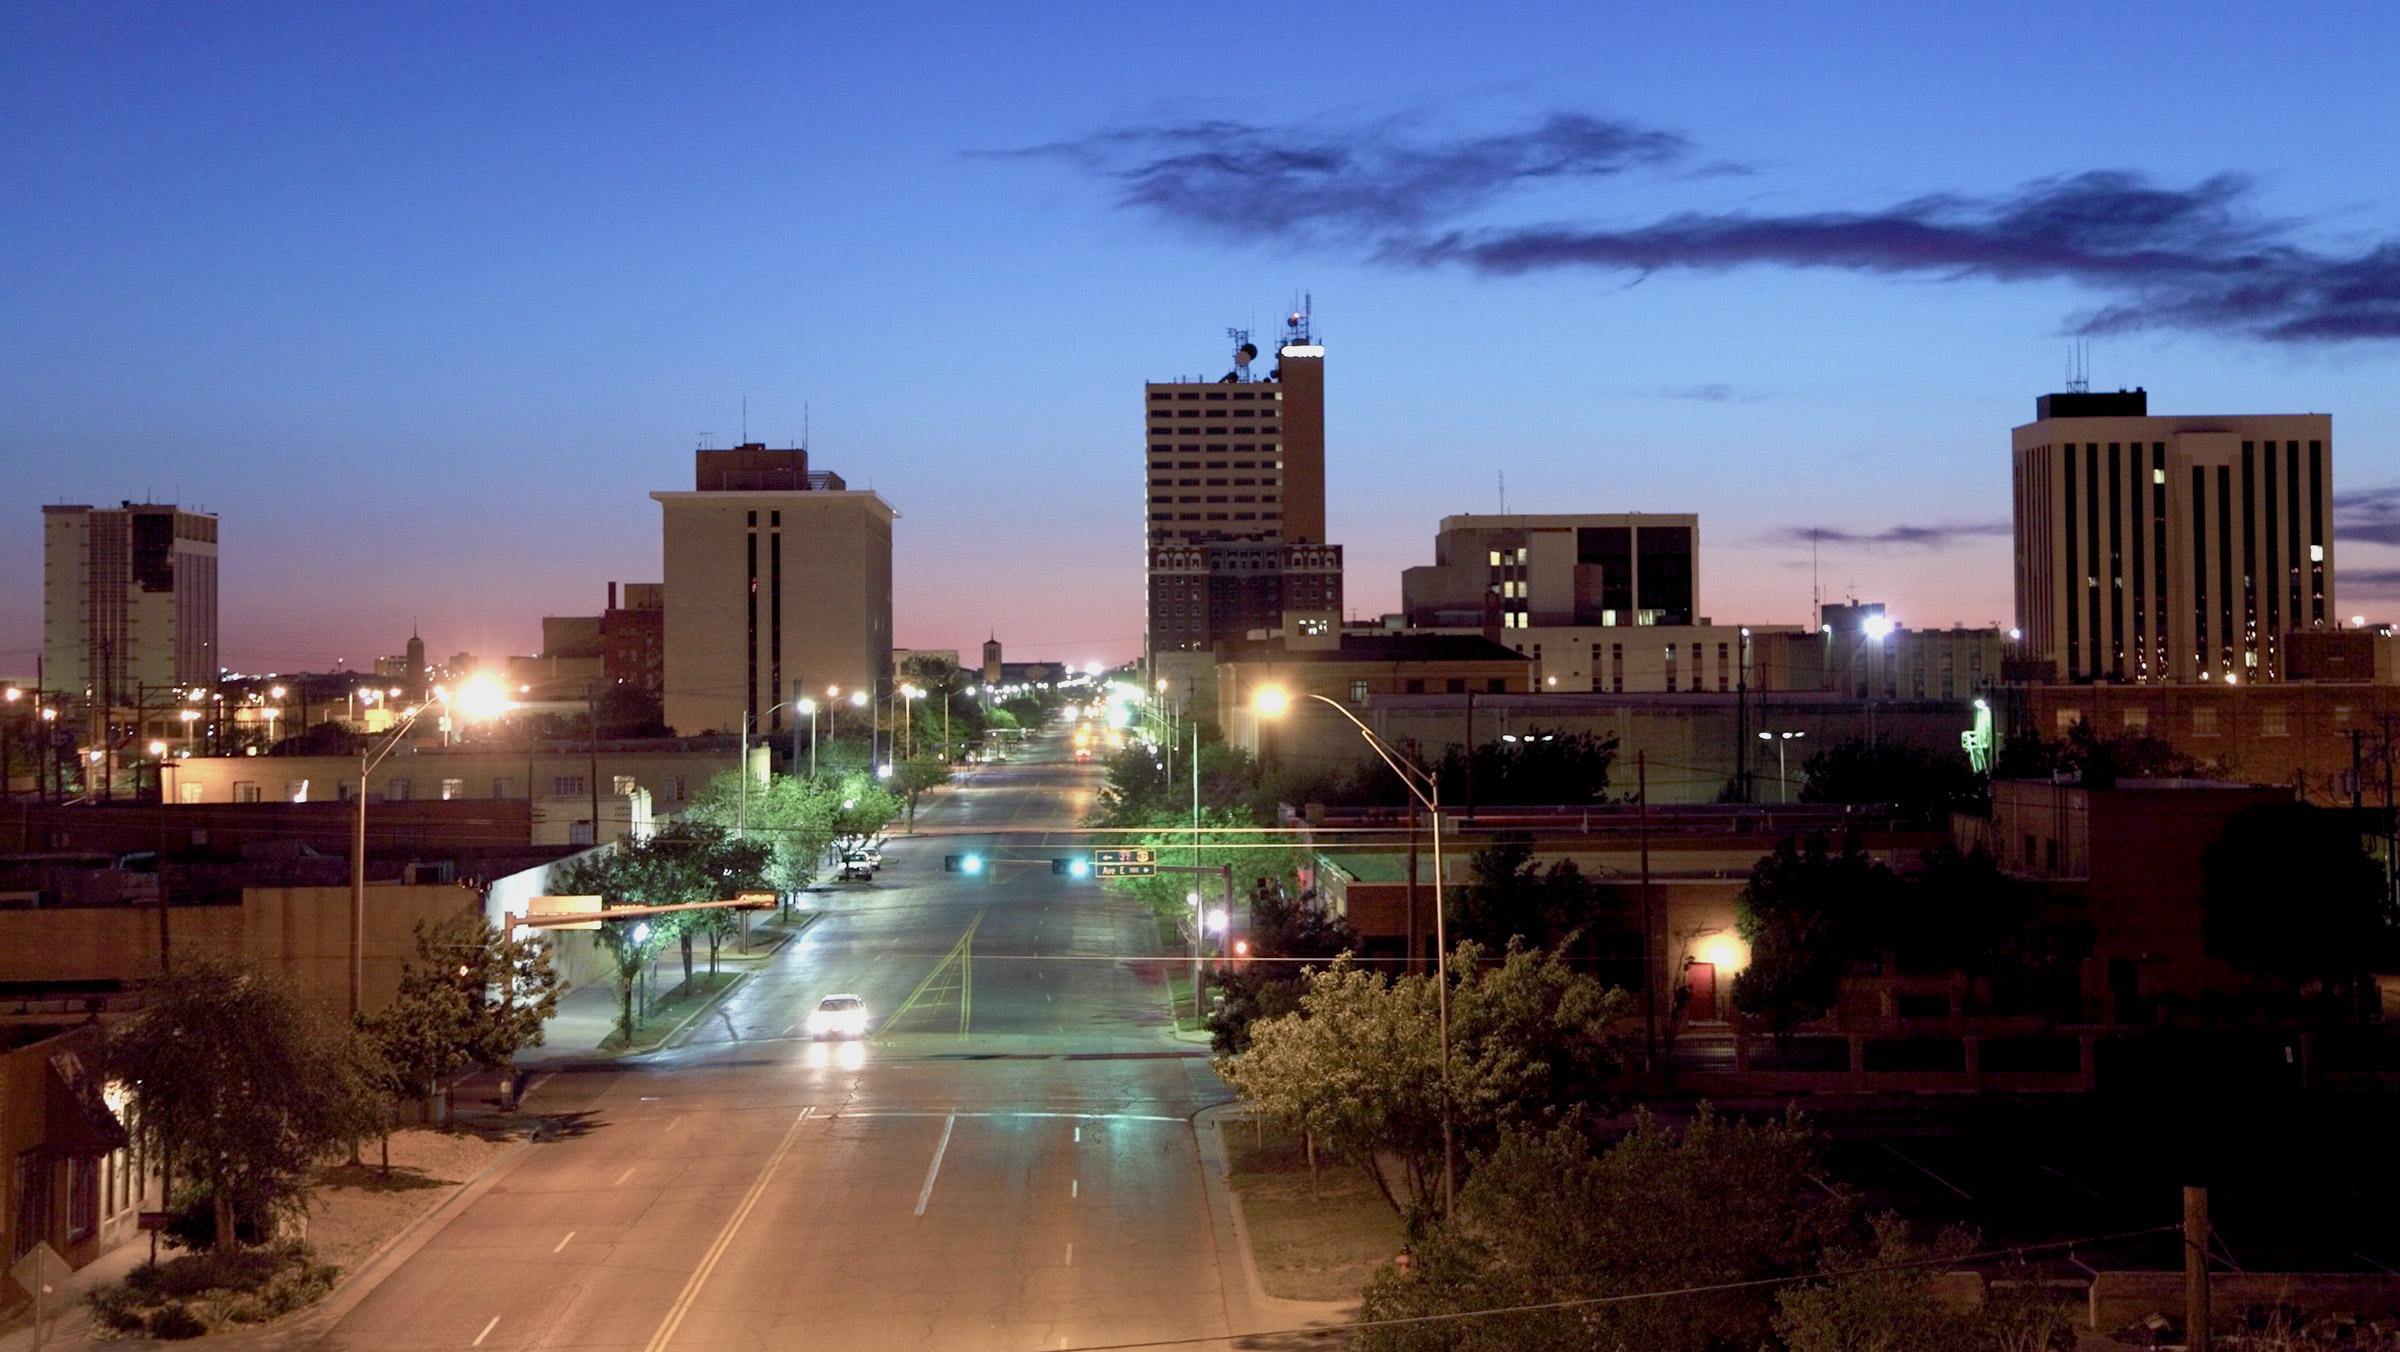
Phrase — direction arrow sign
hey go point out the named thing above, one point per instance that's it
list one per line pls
(1124, 856)
(1125, 870)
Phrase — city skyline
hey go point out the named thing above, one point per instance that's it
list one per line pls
(427, 333)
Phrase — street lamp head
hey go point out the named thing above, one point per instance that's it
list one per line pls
(858, 699)
(1877, 626)
(481, 699)
(158, 748)
(1766, 737)
(1271, 701)
(807, 706)
(641, 932)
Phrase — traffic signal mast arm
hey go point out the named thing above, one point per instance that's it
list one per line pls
(557, 919)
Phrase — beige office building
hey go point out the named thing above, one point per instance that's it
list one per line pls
(778, 579)
(2170, 549)
(129, 601)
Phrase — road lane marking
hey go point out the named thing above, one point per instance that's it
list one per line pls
(733, 1225)
(1079, 1134)
(1074, 1187)
(562, 1244)
(1070, 1256)
(1080, 1117)
(487, 1331)
(1930, 1173)
(676, 1123)
(926, 1194)
(622, 1177)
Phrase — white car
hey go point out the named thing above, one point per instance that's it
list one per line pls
(838, 1016)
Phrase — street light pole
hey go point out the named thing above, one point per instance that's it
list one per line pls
(358, 860)
(1272, 702)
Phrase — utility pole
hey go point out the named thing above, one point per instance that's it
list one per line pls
(1641, 770)
(591, 716)
(2358, 789)
(1741, 722)
(2195, 1270)
(1470, 753)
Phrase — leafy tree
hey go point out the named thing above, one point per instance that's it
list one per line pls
(325, 739)
(1546, 1218)
(472, 996)
(1964, 913)
(2291, 892)
(1921, 785)
(1889, 1310)
(1510, 896)
(1359, 1063)
(915, 775)
(792, 816)
(1804, 911)
(243, 1086)
(1284, 931)
(687, 862)
(1225, 837)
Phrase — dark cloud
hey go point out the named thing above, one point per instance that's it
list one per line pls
(2382, 583)
(2198, 258)
(1377, 182)
(1714, 393)
(2192, 258)
(1939, 536)
(2370, 516)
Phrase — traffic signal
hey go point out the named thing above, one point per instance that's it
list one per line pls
(962, 863)
(1073, 866)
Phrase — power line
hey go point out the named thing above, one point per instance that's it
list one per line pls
(1591, 1302)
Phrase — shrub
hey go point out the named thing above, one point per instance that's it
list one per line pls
(173, 1321)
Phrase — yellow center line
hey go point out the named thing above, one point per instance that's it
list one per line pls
(733, 1225)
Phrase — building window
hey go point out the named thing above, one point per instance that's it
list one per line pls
(1358, 692)
(1497, 685)
(2137, 720)
(453, 788)
(1456, 687)
(245, 790)
(566, 786)
(2273, 722)
(2204, 722)
(624, 786)
(187, 793)
(395, 790)
(1414, 687)
(2066, 719)
(675, 785)
(83, 1196)
(499, 788)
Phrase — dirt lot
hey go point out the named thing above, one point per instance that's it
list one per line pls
(358, 1208)
(1319, 1244)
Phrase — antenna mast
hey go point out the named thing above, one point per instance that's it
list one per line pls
(2079, 367)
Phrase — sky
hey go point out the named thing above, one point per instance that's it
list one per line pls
(425, 300)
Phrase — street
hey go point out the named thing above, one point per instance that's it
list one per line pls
(1034, 1183)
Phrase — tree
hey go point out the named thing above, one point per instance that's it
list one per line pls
(792, 816)
(1359, 1063)
(472, 996)
(240, 1084)
(1803, 912)
(1963, 912)
(1284, 932)
(1885, 1308)
(1547, 1218)
(1510, 896)
(2290, 892)
(917, 774)
(1922, 786)
(687, 862)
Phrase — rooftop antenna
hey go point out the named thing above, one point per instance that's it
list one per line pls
(745, 420)
(2079, 367)
(804, 424)
(1816, 590)
(1503, 492)
(1298, 329)
(1244, 352)
(703, 440)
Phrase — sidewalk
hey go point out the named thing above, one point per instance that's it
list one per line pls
(66, 1321)
(587, 1015)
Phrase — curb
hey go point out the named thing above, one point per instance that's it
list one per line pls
(1273, 1312)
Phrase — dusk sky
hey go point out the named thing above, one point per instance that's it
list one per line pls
(425, 300)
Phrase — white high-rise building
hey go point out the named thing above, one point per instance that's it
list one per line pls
(129, 601)
(2170, 549)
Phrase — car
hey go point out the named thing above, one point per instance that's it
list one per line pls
(1083, 753)
(856, 870)
(838, 1016)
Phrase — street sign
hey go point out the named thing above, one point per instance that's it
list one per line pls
(1124, 856)
(1124, 870)
(755, 899)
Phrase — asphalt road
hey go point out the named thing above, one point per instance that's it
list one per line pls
(1033, 1183)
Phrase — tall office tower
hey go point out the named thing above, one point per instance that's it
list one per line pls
(1236, 489)
(2169, 549)
(778, 580)
(129, 600)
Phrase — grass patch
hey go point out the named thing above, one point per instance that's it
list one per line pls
(1319, 1244)
(1179, 1001)
(668, 1011)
